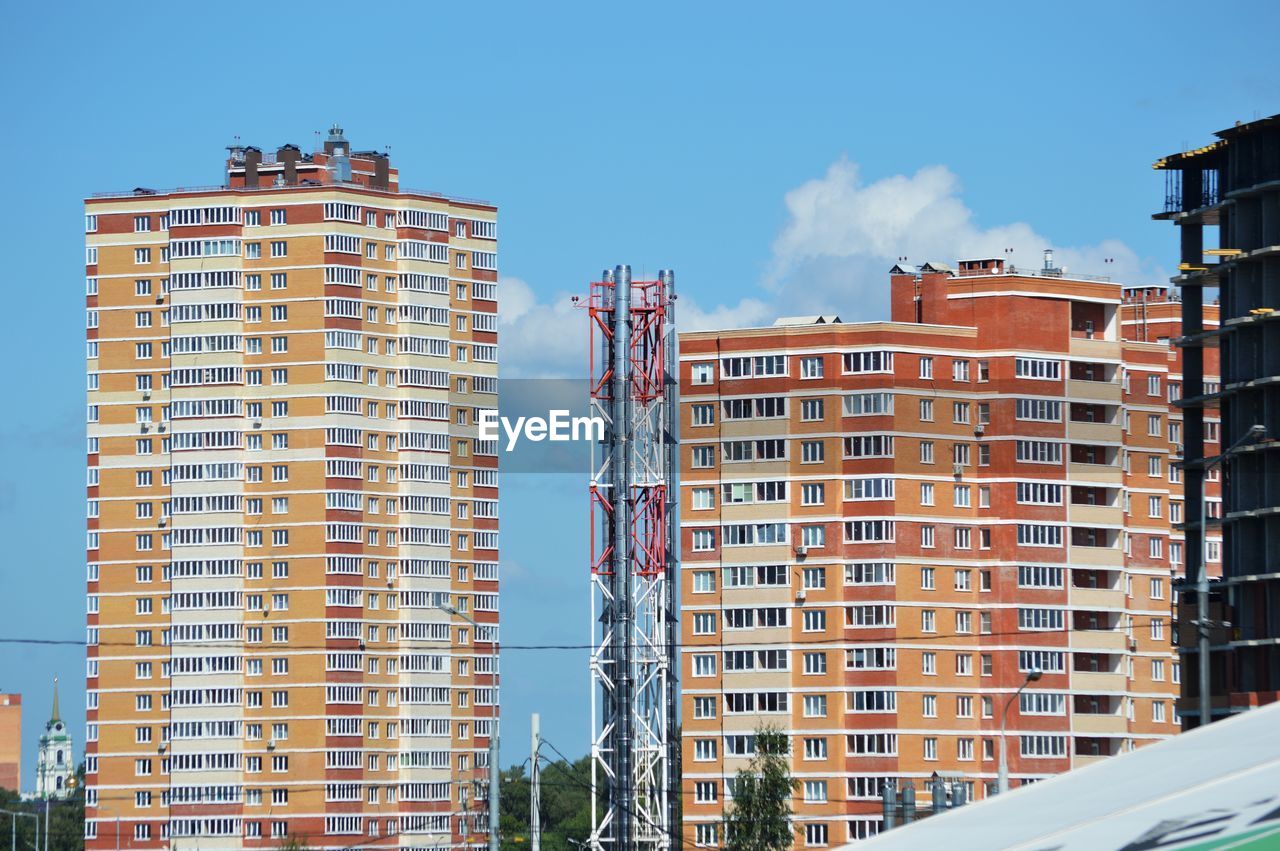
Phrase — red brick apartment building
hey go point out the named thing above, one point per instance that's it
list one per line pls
(887, 525)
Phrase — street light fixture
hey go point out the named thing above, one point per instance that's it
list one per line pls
(1002, 779)
(494, 781)
(13, 815)
(1202, 622)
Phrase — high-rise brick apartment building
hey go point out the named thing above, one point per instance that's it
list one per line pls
(284, 487)
(1224, 199)
(888, 525)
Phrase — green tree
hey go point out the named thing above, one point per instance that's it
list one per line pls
(565, 811)
(66, 819)
(760, 817)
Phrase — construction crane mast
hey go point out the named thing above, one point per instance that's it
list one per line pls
(633, 562)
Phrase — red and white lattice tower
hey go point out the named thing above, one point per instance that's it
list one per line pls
(633, 562)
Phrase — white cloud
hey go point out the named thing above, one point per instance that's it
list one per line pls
(843, 235)
(832, 256)
(539, 340)
(549, 340)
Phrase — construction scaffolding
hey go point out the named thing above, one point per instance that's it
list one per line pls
(634, 553)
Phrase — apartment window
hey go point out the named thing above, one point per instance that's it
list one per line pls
(928, 621)
(811, 410)
(926, 367)
(811, 367)
(703, 373)
(960, 412)
(279, 217)
(812, 451)
(930, 748)
(1038, 410)
(814, 620)
(926, 410)
(1153, 385)
(927, 537)
(926, 452)
(929, 663)
(928, 578)
(1154, 425)
(141, 256)
(812, 494)
(926, 493)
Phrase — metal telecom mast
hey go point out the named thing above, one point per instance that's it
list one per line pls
(633, 562)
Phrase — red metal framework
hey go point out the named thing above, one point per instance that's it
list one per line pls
(632, 560)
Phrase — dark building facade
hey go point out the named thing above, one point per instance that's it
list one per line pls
(1228, 193)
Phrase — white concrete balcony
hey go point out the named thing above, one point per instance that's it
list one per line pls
(1106, 392)
(1100, 641)
(1102, 474)
(1112, 557)
(1102, 682)
(1086, 432)
(1110, 723)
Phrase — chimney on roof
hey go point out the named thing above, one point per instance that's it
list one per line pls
(381, 170)
(252, 159)
(289, 156)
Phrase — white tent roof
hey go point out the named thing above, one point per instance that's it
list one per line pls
(1211, 788)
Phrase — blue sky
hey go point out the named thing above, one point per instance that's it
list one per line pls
(778, 156)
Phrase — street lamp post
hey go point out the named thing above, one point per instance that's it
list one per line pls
(494, 780)
(1203, 625)
(1002, 779)
(14, 815)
